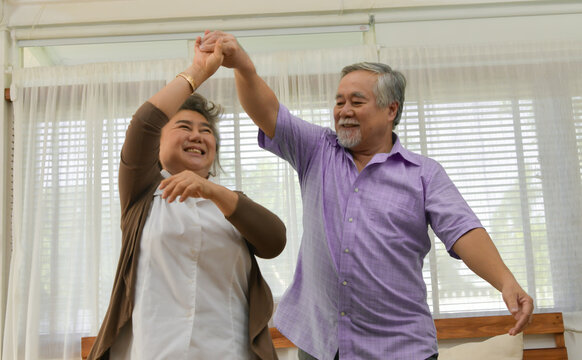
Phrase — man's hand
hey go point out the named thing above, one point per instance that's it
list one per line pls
(480, 254)
(234, 55)
(255, 96)
(520, 305)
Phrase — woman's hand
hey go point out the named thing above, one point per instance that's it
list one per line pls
(186, 184)
(206, 63)
(189, 184)
(235, 56)
(172, 96)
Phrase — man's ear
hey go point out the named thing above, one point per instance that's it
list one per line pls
(392, 110)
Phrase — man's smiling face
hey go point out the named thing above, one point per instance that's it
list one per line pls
(359, 123)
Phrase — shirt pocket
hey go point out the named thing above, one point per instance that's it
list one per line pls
(398, 202)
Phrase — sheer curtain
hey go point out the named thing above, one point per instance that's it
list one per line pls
(506, 123)
(69, 127)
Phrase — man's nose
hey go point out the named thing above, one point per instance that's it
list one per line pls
(346, 110)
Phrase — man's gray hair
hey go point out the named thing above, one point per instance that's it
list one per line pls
(389, 87)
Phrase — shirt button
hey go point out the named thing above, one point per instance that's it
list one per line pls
(356, 190)
(350, 219)
(344, 283)
(346, 250)
(343, 313)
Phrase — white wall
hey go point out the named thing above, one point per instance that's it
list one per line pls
(480, 30)
(5, 191)
(50, 12)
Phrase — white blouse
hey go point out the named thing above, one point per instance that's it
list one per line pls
(192, 286)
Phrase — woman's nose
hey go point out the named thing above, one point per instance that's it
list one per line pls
(195, 136)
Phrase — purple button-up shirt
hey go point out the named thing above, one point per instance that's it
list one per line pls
(358, 284)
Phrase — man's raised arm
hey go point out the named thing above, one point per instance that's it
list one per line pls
(256, 97)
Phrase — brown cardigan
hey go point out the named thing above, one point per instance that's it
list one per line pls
(139, 177)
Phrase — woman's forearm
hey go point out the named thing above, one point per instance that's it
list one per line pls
(260, 227)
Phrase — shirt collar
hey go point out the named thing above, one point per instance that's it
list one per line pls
(397, 148)
(398, 151)
(165, 174)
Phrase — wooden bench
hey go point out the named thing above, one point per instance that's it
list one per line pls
(488, 326)
(462, 328)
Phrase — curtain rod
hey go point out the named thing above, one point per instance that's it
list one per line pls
(164, 29)
(190, 35)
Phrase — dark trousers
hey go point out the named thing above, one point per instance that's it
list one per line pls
(302, 355)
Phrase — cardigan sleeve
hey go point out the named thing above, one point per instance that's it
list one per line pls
(139, 167)
(261, 228)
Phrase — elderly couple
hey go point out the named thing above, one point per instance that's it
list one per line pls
(188, 285)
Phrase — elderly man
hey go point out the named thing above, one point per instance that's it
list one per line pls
(358, 291)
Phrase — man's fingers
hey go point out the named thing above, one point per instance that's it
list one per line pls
(208, 41)
(218, 48)
(522, 322)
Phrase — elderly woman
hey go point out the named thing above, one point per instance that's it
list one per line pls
(187, 285)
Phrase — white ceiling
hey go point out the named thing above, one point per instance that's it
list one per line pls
(96, 26)
(50, 12)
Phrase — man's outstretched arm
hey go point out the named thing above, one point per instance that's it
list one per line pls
(481, 256)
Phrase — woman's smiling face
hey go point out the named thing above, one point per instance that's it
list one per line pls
(187, 143)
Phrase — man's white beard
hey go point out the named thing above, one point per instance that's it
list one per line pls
(348, 137)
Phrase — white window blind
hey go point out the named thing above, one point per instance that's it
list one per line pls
(491, 117)
(577, 114)
(489, 150)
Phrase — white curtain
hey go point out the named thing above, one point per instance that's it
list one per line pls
(506, 123)
(69, 127)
